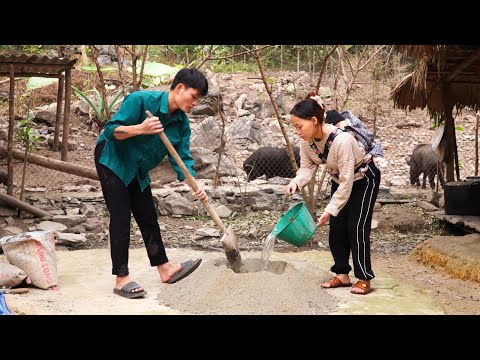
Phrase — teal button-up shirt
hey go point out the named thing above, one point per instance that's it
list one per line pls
(137, 155)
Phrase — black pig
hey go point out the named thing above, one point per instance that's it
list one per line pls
(424, 160)
(272, 162)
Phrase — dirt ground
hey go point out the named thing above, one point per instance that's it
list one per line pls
(290, 286)
(457, 297)
(402, 286)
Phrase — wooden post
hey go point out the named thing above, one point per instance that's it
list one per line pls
(449, 133)
(476, 144)
(11, 125)
(455, 153)
(56, 136)
(66, 113)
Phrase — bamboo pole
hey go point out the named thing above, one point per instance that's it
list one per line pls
(56, 136)
(24, 206)
(53, 164)
(66, 113)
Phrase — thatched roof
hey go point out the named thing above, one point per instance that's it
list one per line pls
(420, 51)
(456, 65)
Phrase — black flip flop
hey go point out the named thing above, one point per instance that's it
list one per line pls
(187, 268)
(126, 289)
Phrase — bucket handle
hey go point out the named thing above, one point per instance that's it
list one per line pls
(285, 198)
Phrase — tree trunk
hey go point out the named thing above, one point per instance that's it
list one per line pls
(298, 59)
(222, 144)
(25, 162)
(335, 84)
(323, 64)
(281, 57)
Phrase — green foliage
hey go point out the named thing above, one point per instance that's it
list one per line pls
(155, 73)
(180, 49)
(157, 52)
(156, 69)
(94, 68)
(435, 226)
(99, 106)
(39, 82)
(27, 49)
(270, 80)
(437, 121)
(236, 66)
(26, 133)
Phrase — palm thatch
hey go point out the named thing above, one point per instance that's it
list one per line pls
(454, 66)
(407, 96)
(420, 51)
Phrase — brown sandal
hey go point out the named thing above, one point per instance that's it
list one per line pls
(335, 282)
(362, 285)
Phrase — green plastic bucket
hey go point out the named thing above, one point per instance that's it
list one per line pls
(296, 226)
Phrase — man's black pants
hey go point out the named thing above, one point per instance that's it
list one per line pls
(121, 202)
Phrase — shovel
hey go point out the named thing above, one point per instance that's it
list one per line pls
(228, 239)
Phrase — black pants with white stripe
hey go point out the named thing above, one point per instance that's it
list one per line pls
(350, 229)
(121, 202)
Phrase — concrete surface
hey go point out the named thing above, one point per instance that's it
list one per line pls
(86, 283)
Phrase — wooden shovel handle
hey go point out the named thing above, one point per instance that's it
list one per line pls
(189, 178)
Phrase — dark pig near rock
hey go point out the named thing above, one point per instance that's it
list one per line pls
(271, 162)
(424, 161)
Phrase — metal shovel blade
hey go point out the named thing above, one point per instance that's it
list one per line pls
(230, 247)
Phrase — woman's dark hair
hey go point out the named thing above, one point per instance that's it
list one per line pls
(307, 108)
(333, 117)
(191, 78)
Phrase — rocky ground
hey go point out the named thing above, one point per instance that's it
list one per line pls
(400, 226)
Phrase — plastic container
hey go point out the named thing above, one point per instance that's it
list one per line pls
(462, 198)
(296, 226)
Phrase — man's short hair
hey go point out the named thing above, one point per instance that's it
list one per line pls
(191, 78)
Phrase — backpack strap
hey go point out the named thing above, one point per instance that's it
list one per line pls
(324, 155)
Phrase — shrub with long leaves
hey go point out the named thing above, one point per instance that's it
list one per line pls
(99, 107)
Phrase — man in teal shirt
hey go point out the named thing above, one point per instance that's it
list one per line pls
(128, 148)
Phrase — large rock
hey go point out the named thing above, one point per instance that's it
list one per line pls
(207, 135)
(176, 204)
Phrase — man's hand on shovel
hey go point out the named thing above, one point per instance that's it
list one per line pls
(230, 245)
(152, 125)
(200, 193)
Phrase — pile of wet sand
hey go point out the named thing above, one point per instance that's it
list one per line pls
(214, 288)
